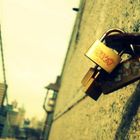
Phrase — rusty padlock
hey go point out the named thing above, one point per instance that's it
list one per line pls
(106, 59)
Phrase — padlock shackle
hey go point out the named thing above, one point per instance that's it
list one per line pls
(113, 30)
(129, 42)
(117, 30)
(102, 55)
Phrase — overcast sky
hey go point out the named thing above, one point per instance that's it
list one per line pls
(35, 35)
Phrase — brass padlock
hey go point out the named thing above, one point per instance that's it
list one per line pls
(102, 55)
(90, 83)
(106, 59)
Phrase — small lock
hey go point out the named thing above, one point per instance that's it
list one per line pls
(102, 55)
(106, 60)
(91, 85)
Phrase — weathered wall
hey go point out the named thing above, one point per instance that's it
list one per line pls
(113, 116)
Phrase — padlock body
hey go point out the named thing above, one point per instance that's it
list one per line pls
(103, 56)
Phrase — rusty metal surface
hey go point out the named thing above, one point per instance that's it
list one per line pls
(126, 73)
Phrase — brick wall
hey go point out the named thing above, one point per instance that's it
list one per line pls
(113, 116)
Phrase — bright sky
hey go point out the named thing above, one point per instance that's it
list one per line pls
(35, 35)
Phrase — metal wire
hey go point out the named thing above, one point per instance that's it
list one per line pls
(3, 69)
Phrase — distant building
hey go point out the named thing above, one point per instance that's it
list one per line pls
(11, 120)
(16, 115)
(2, 91)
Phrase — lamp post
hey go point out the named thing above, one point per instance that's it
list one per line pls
(51, 94)
(48, 106)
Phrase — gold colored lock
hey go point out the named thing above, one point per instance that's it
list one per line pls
(106, 59)
(91, 85)
(89, 78)
(103, 56)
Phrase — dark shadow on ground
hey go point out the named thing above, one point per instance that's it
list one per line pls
(130, 111)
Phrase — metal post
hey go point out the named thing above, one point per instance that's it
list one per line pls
(3, 67)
